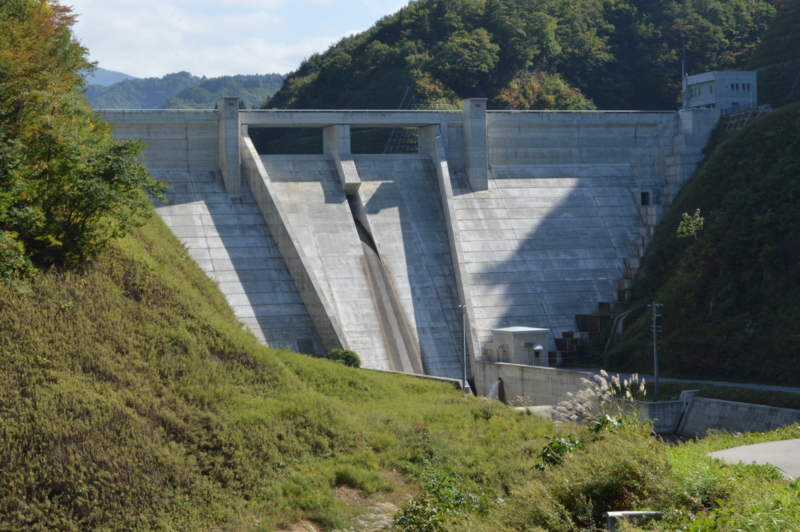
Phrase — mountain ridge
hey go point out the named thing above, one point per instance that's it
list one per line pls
(182, 90)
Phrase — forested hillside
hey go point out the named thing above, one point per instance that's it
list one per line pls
(730, 290)
(777, 58)
(183, 91)
(251, 90)
(532, 54)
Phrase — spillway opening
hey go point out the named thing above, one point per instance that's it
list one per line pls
(383, 140)
(287, 140)
(403, 349)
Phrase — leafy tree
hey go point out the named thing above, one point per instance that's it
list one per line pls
(66, 186)
(690, 225)
(466, 59)
(620, 54)
(346, 357)
(539, 90)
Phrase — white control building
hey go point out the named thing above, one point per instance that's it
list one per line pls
(725, 90)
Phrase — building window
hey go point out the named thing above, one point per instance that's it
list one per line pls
(711, 89)
(645, 198)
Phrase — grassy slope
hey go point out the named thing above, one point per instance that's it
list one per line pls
(131, 399)
(731, 309)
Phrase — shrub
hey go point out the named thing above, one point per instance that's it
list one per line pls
(14, 264)
(346, 357)
(442, 502)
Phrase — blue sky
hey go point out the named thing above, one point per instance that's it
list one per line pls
(146, 38)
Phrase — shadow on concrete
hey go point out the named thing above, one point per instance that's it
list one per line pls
(229, 240)
(410, 187)
(539, 266)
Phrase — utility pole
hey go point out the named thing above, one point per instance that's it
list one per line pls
(656, 330)
(465, 384)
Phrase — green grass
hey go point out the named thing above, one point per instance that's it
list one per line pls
(131, 398)
(629, 470)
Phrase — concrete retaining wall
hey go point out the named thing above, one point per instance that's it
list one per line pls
(309, 287)
(544, 233)
(665, 415)
(538, 385)
(315, 206)
(704, 414)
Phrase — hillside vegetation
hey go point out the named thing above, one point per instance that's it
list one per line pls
(541, 54)
(731, 310)
(777, 58)
(183, 91)
(131, 399)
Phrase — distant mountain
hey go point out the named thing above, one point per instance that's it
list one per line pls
(182, 90)
(251, 90)
(147, 93)
(106, 78)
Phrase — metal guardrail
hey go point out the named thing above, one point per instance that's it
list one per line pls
(739, 109)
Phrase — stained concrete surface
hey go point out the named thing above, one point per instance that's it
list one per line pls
(316, 206)
(545, 242)
(229, 240)
(403, 209)
(785, 455)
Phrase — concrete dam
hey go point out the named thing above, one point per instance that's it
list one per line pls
(524, 218)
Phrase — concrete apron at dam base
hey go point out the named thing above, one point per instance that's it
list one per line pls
(524, 218)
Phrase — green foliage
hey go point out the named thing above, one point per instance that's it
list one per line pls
(346, 357)
(146, 93)
(67, 186)
(14, 263)
(250, 89)
(777, 58)
(441, 502)
(690, 226)
(729, 294)
(539, 90)
(544, 54)
(553, 453)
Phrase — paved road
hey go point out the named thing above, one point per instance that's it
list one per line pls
(650, 378)
(785, 455)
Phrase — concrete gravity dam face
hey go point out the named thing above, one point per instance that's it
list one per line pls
(524, 218)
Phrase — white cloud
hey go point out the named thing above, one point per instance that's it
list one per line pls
(154, 37)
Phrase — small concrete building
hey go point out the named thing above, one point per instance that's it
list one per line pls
(724, 90)
(519, 345)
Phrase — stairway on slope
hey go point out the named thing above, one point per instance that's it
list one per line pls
(230, 242)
